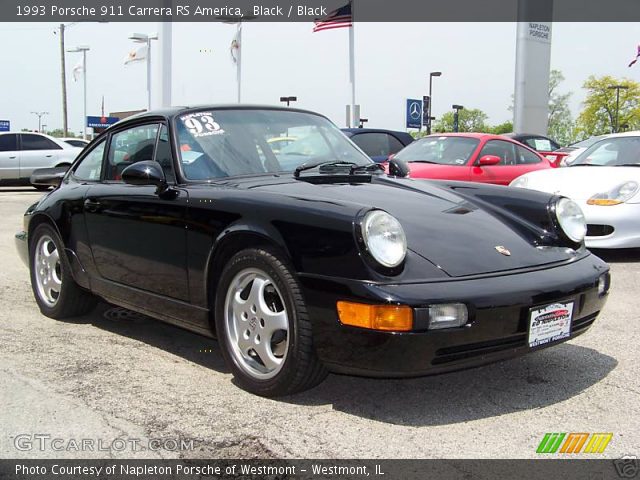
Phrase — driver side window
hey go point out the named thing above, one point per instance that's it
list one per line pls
(128, 147)
(502, 149)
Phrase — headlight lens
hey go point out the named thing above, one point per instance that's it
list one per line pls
(571, 219)
(384, 237)
(520, 182)
(615, 196)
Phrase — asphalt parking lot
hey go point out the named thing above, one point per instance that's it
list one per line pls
(111, 375)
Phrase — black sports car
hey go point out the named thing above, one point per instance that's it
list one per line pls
(308, 260)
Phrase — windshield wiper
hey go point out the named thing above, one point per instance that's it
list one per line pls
(423, 161)
(585, 165)
(368, 167)
(627, 165)
(330, 163)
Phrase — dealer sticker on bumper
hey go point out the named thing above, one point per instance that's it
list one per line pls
(550, 323)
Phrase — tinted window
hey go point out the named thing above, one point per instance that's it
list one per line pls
(394, 144)
(128, 147)
(8, 143)
(38, 142)
(373, 144)
(90, 168)
(526, 157)
(76, 143)
(163, 154)
(443, 150)
(502, 149)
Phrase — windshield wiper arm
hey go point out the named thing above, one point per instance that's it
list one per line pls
(309, 166)
(628, 165)
(367, 167)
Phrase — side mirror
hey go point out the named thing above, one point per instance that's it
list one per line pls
(487, 160)
(48, 176)
(398, 168)
(147, 172)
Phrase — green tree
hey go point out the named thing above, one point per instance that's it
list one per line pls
(501, 128)
(561, 125)
(599, 113)
(58, 133)
(470, 120)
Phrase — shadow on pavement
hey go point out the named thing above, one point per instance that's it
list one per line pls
(190, 346)
(533, 381)
(621, 255)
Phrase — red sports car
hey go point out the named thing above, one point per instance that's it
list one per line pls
(474, 157)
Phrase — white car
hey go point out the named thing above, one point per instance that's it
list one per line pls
(575, 149)
(22, 153)
(605, 181)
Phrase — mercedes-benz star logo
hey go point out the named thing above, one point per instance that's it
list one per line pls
(503, 250)
(414, 110)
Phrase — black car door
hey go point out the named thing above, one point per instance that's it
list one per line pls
(137, 237)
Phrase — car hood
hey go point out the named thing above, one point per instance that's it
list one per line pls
(581, 183)
(452, 231)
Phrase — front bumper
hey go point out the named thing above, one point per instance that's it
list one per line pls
(22, 245)
(625, 220)
(497, 328)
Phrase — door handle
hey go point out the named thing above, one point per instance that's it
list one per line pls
(91, 205)
(11, 158)
(49, 156)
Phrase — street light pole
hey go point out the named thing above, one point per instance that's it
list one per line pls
(83, 49)
(431, 75)
(40, 115)
(287, 100)
(456, 117)
(617, 88)
(146, 39)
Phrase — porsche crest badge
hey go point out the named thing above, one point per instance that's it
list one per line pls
(503, 250)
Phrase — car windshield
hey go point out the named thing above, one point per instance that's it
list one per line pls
(227, 142)
(611, 152)
(443, 150)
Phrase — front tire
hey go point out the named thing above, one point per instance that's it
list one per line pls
(56, 292)
(263, 326)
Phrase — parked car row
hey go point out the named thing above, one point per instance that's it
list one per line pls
(22, 153)
(306, 257)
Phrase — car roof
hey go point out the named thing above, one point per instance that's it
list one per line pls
(633, 133)
(372, 130)
(477, 135)
(174, 111)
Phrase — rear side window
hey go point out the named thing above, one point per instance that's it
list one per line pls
(373, 144)
(37, 142)
(90, 168)
(136, 144)
(394, 144)
(526, 157)
(8, 143)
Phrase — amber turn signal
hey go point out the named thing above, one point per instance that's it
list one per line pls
(391, 318)
(603, 202)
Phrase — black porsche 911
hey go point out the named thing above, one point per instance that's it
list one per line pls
(310, 259)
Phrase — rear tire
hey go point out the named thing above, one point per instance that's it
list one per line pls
(263, 327)
(56, 292)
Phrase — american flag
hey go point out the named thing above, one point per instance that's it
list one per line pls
(635, 59)
(338, 18)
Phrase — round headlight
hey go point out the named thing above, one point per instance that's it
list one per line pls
(571, 219)
(520, 182)
(384, 238)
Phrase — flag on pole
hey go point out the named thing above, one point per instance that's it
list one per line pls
(338, 18)
(77, 71)
(635, 59)
(136, 55)
(234, 48)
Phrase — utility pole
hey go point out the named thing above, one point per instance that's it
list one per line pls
(431, 75)
(63, 72)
